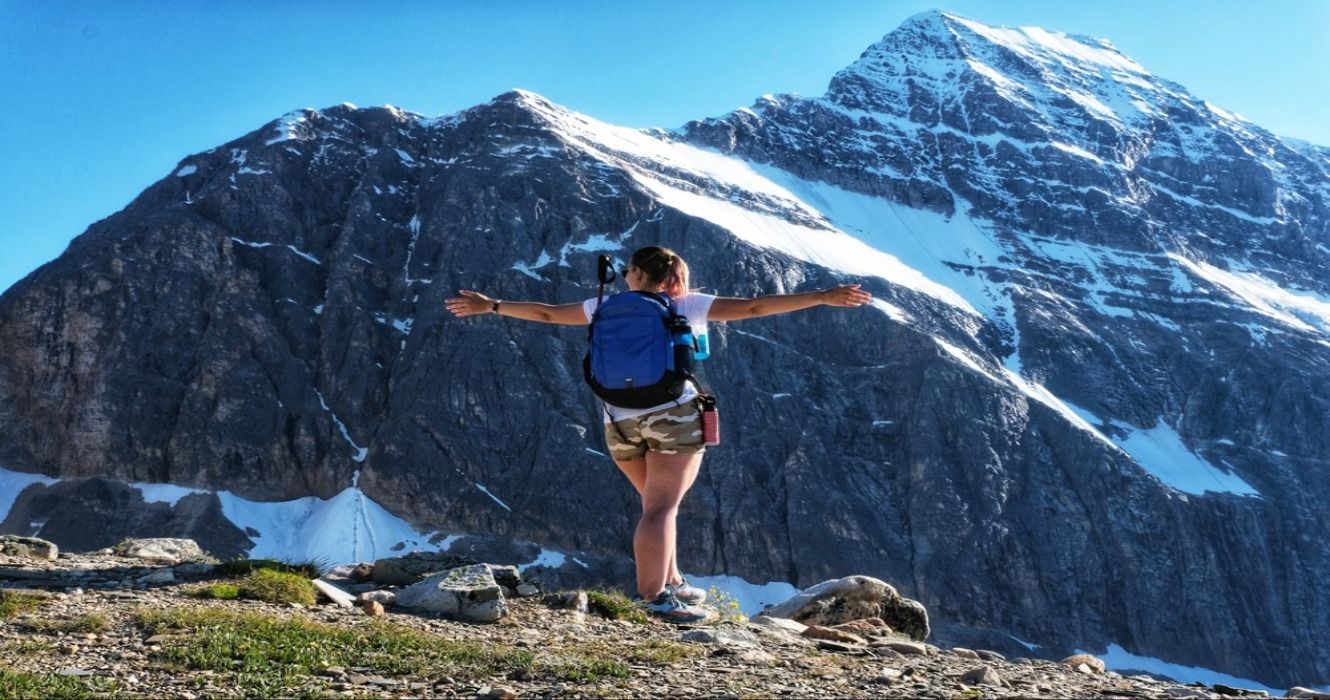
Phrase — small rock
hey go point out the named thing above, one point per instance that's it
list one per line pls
(833, 634)
(74, 671)
(840, 647)
(982, 675)
(965, 654)
(333, 672)
(780, 623)
(989, 655)
(373, 608)
(526, 590)
(756, 657)
(1094, 664)
(907, 648)
(384, 597)
(361, 572)
(194, 568)
(887, 676)
(160, 576)
(488, 693)
(569, 600)
(721, 636)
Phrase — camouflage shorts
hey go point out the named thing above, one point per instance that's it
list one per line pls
(675, 430)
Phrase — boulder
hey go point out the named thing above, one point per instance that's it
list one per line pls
(414, 567)
(36, 548)
(1093, 664)
(162, 549)
(466, 592)
(855, 598)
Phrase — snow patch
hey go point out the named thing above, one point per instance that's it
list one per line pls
(1160, 451)
(1304, 311)
(751, 597)
(547, 557)
(186, 170)
(1120, 660)
(360, 452)
(491, 495)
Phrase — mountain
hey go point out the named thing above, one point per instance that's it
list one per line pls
(1087, 409)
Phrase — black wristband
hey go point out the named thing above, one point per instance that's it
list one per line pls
(495, 308)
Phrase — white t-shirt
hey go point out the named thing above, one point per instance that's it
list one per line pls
(693, 305)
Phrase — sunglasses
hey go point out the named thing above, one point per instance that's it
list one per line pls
(623, 271)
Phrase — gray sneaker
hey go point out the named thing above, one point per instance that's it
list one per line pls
(687, 593)
(668, 608)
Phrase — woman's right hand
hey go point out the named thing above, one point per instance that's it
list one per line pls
(470, 304)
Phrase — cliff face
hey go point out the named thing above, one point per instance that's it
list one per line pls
(1088, 406)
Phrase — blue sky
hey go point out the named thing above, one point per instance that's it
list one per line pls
(101, 99)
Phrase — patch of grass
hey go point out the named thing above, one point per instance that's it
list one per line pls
(240, 567)
(279, 587)
(616, 606)
(659, 651)
(578, 665)
(25, 647)
(269, 654)
(216, 591)
(20, 684)
(15, 603)
(79, 624)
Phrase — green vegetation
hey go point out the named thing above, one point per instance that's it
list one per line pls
(659, 651)
(280, 587)
(264, 655)
(216, 591)
(80, 624)
(20, 684)
(240, 567)
(616, 606)
(728, 606)
(15, 603)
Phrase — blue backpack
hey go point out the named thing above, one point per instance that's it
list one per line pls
(640, 351)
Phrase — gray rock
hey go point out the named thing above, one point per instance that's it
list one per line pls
(467, 593)
(527, 590)
(416, 566)
(780, 623)
(965, 653)
(165, 549)
(903, 647)
(158, 577)
(723, 636)
(33, 547)
(855, 598)
(1307, 693)
(982, 675)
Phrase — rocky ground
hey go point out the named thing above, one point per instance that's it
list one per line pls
(123, 626)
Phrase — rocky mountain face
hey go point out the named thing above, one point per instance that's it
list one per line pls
(1087, 408)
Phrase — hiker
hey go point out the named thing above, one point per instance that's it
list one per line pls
(659, 447)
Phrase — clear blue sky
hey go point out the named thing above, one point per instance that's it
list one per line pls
(101, 99)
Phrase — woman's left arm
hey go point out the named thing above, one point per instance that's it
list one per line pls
(735, 309)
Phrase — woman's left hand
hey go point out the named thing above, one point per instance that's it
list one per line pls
(846, 295)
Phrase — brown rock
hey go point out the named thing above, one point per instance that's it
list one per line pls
(964, 653)
(833, 634)
(1092, 663)
(361, 572)
(373, 608)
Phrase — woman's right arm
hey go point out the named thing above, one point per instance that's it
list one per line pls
(476, 304)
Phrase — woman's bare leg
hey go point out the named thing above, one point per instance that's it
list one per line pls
(636, 471)
(668, 478)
